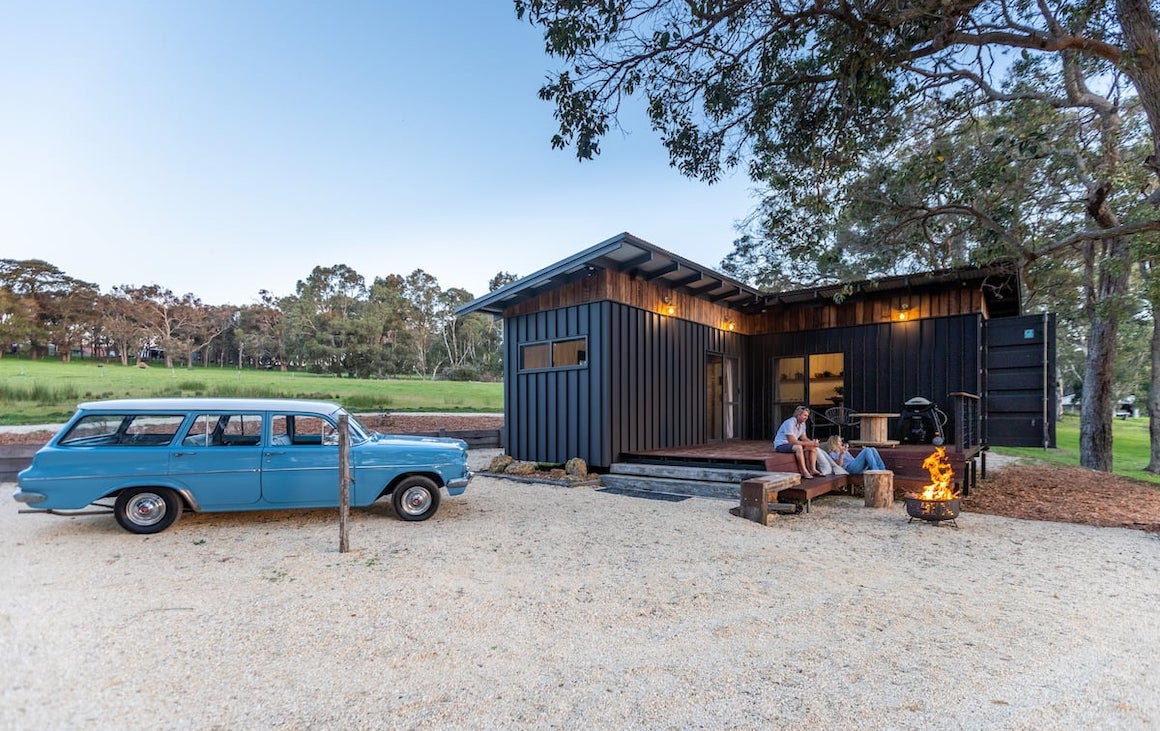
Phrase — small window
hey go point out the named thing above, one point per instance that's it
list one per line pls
(535, 356)
(569, 353)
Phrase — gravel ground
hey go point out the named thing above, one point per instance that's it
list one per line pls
(533, 606)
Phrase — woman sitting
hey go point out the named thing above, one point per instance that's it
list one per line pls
(867, 459)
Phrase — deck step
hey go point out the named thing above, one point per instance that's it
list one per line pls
(696, 488)
(698, 473)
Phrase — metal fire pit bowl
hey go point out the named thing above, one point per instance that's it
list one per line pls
(934, 511)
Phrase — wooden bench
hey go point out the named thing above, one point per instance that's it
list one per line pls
(759, 495)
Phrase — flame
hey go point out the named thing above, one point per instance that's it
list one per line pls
(941, 475)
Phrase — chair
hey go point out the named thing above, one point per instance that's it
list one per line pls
(842, 417)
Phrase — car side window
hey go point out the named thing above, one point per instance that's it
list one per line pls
(224, 430)
(92, 430)
(131, 430)
(150, 430)
(302, 430)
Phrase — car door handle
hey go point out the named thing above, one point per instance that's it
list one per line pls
(185, 454)
(272, 454)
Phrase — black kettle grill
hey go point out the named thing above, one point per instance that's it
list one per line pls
(923, 422)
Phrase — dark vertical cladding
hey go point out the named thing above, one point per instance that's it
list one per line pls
(886, 364)
(1021, 406)
(642, 383)
(642, 386)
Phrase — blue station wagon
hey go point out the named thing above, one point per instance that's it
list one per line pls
(154, 458)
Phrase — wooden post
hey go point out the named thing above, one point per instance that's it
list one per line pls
(755, 500)
(878, 488)
(343, 483)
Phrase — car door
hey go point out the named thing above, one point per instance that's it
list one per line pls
(219, 459)
(300, 463)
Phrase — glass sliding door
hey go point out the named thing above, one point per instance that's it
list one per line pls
(817, 381)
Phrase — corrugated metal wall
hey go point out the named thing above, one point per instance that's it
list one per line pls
(885, 364)
(1020, 399)
(643, 387)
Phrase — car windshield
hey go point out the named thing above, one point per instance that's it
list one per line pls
(358, 432)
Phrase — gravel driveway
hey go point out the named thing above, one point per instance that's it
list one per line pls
(532, 606)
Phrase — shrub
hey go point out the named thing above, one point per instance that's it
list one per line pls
(461, 373)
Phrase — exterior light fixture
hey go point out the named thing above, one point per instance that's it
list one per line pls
(729, 324)
(668, 306)
(904, 312)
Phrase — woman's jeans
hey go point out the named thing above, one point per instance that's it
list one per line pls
(867, 459)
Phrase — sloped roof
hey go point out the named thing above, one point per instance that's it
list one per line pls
(622, 253)
(638, 258)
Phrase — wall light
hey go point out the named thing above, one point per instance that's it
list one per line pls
(729, 324)
(904, 312)
(669, 307)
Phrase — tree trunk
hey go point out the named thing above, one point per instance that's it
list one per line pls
(1154, 398)
(1107, 285)
(1142, 61)
(1095, 424)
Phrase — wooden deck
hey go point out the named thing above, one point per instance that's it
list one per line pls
(904, 460)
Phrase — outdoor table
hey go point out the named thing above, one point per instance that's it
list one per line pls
(873, 431)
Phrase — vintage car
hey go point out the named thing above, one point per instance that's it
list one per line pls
(153, 458)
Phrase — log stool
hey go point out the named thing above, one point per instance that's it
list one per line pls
(878, 488)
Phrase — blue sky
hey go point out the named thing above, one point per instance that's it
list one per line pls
(224, 147)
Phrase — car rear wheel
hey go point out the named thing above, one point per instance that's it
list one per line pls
(415, 498)
(147, 509)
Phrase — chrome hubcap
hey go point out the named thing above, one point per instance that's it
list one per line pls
(416, 500)
(146, 509)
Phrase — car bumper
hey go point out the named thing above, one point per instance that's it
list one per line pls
(457, 486)
(28, 498)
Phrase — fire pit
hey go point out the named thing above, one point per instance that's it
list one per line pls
(938, 501)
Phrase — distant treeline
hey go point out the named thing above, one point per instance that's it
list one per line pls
(333, 323)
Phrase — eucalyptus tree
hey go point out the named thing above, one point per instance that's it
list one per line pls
(122, 322)
(166, 319)
(44, 306)
(807, 92)
(260, 331)
(386, 312)
(464, 337)
(425, 318)
(323, 313)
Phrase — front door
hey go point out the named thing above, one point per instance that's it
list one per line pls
(722, 398)
(300, 463)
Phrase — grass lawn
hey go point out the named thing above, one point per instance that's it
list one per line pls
(1131, 448)
(47, 391)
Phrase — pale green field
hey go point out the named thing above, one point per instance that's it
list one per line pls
(45, 392)
(1130, 447)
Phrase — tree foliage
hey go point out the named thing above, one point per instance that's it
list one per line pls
(333, 323)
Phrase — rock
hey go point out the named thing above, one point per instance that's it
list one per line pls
(576, 467)
(556, 474)
(500, 463)
(521, 468)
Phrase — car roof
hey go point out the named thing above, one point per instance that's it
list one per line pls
(211, 404)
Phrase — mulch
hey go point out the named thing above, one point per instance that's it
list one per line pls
(1026, 492)
(1067, 495)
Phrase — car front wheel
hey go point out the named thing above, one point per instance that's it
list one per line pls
(147, 509)
(415, 498)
